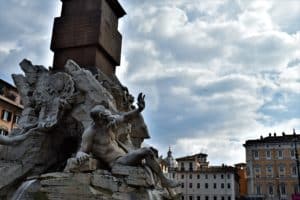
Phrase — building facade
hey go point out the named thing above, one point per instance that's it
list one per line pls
(242, 173)
(10, 107)
(199, 181)
(272, 166)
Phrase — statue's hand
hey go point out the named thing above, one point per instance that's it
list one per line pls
(141, 102)
(81, 157)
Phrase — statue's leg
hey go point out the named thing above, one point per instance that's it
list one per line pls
(153, 164)
(134, 158)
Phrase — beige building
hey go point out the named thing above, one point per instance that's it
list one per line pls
(199, 181)
(272, 167)
(10, 107)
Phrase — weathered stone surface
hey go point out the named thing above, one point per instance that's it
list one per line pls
(92, 91)
(128, 170)
(10, 171)
(134, 176)
(77, 186)
(106, 182)
(87, 166)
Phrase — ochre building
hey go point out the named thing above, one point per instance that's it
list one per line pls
(272, 167)
(10, 107)
(242, 173)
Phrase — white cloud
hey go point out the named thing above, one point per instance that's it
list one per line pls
(219, 71)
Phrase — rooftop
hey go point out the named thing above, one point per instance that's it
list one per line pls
(283, 138)
(2, 82)
(193, 157)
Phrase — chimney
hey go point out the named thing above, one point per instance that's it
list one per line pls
(283, 133)
(270, 134)
(261, 137)
(274, 134)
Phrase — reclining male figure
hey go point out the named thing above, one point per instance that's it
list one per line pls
(100, 140)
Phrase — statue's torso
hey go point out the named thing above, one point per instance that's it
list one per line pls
(106, 147)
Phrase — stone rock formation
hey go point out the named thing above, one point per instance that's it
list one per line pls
(57, 111)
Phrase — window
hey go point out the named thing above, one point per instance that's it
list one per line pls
(257, 171)
(191, 166)
(198, 176)
(296, 189)
(229, 198)
(282, 189)
(215, 197)
(228, 176)
(268, 154)
(206, 185)
(206, 176)
(182, 185)
(206, 197)
(271, 190)
(269, 171)
(11, 96)
(292, 153)
(198, 197)
(182, 166)
(3, 132)
(222, 176)
(198, 185)
(182, 176)
(215, 176)
(280, 154)
(228, 185)
(6, 115)
(294, 170)
(190, 197)
(258, 189)
(215, 185)
(281, 170)
(191, 176)
(191, 185)
(182, 197)
(255, 154)
(2, 88)
(223, 198)
(222, 185)
(16, 119)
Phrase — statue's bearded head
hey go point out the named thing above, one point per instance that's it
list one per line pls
(101, 114)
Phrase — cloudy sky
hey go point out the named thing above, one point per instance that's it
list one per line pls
(215, 72)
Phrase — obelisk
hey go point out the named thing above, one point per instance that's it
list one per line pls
(87, 32)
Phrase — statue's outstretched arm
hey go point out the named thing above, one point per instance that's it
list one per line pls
(125, 117)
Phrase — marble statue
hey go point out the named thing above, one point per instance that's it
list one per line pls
(83, 126)
(100, 140)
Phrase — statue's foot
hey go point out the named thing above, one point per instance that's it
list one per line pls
(167, 183)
